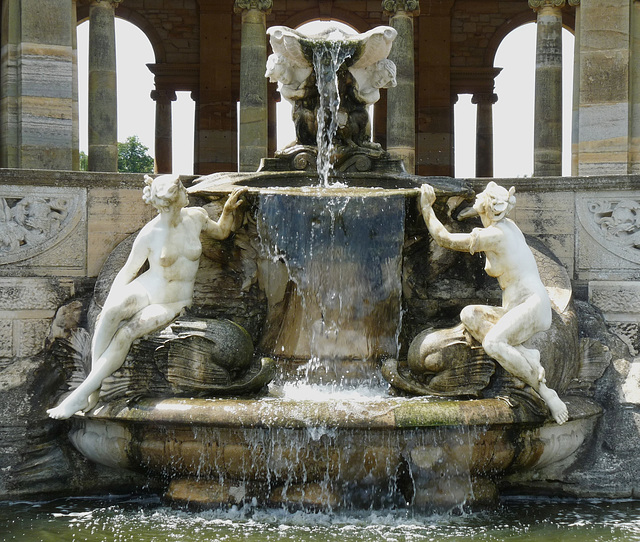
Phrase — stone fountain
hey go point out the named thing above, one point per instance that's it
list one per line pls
(322, 362)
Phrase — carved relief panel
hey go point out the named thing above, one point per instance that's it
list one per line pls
(42, 228)
(611, 222)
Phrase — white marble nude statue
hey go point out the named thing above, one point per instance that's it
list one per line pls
(140, 304)
(526, 308)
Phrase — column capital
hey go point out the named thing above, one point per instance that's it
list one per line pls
(113, 3)
(392, 7)
(484, 98)
(245, 5)
(537, 4)
(163, 95)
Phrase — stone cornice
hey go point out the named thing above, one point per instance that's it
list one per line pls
(244, 5)
(537, 4)
(391, 7)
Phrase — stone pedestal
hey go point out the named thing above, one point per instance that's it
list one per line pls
(548, 89)
(401, 101)
(103, 102)
(253, 84)
(164, 134)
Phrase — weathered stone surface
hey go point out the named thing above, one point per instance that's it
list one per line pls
(35, 455)
(38, 86)
(44, 230)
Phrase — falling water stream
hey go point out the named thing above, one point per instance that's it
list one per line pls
(328, 57)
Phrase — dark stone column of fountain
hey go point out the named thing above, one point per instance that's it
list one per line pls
(484, 133)
(332, 275)
(103, 108)
(164, 134)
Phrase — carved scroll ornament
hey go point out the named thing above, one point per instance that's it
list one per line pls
(391, 7)
(262, 5)
(614, 223)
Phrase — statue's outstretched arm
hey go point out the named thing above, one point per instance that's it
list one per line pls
(455, 241)
(222, 228)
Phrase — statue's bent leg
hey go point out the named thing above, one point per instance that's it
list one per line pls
(479, 319)
(503, 341)
(145, 321)
(504, 344)
(118, 308)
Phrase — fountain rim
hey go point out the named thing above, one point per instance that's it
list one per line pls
(391, 413)
(303, 183)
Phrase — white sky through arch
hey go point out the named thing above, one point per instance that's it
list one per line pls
(136, 109)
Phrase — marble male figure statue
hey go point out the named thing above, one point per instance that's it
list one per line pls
(526, 308)
(138, 305)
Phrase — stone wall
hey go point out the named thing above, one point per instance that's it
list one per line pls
(56, 230)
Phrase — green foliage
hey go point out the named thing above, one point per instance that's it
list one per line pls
(133, 157)
(84, 161)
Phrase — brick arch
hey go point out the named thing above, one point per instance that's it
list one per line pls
(528, 16)
(138, 20)
(336, 14)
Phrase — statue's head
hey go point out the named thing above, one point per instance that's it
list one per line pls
(495, 201)
(277, 69)
(385, 74)
(164, 192)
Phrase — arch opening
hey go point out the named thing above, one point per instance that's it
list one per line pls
(513, 113)
(136, 109)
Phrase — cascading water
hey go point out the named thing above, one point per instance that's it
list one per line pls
(342, 255)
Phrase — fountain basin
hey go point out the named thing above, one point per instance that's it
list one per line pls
(330, 262)
(330, 453)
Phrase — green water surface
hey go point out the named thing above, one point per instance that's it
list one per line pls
(147, 519)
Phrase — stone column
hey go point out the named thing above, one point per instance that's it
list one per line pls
(547, 137)
(217, 99)
(253, 83)
(103, 104)
(164, 134)
(401, 101)
(75, 134)
(603, 123)
(484, 132)
(37, 85)
(575, 112)
(634, 98)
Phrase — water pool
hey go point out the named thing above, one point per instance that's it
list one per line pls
(147, 519)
